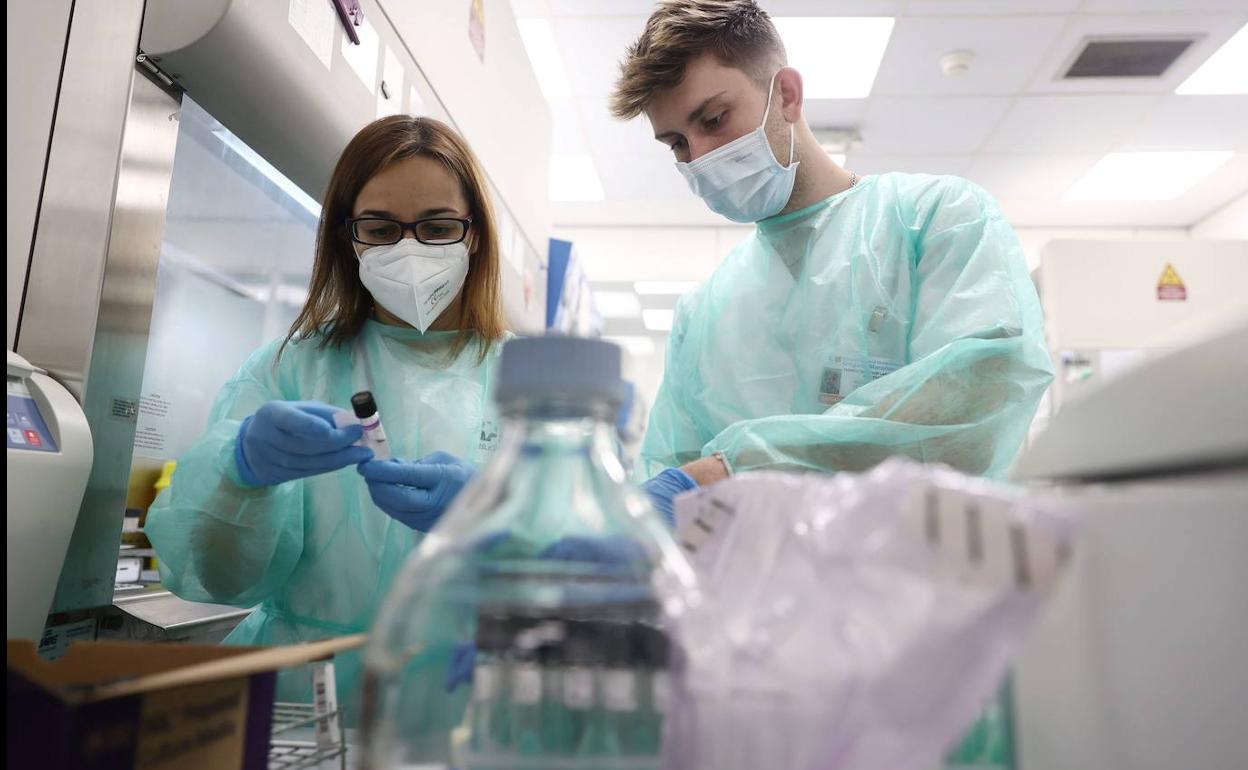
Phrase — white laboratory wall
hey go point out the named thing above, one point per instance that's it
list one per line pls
(1230, 221)
(1102, 311)
(36, 39)
(1103, 294)
(494, 99)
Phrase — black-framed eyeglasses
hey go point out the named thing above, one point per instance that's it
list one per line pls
(436, 231)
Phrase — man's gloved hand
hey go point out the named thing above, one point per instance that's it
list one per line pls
(287, 440)
(664, 487)
(416, 493)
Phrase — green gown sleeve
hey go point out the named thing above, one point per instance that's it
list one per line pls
(978, 364)
(216, 539)
(672, 438)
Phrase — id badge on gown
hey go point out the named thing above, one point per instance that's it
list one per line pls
(843, 375)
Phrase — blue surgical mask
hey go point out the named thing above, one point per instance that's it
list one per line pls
(742, 180)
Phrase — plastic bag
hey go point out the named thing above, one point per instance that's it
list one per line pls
(859, 621)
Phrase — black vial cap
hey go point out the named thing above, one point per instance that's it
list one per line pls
(363, 404)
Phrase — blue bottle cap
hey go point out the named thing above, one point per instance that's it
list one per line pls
(570, 369)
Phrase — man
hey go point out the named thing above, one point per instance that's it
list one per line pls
(863, 318)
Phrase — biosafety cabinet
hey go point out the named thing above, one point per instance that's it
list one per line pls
(166, 164)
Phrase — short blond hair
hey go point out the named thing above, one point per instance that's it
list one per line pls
(736, 32)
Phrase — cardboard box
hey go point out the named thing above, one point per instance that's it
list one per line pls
(148, 706)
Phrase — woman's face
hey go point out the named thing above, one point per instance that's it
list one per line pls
(408, 190)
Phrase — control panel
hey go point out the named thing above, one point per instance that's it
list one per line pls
(27, 430)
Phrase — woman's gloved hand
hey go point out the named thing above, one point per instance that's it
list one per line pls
(416, 493)
(664, 487)
(287, 440)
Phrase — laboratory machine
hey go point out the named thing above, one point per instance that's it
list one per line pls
(1139, 662)
(49, 460)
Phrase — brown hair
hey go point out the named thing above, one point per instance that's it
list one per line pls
(338, 304)
(736, 32)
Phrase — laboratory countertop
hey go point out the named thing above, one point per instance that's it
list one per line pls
(158, 606)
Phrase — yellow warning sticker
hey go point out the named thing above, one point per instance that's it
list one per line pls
(1170, 285)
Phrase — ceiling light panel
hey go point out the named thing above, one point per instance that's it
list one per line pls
(837, 56)
(1146, 176)
(617, 304)
(636, 345)
(664, 287)
(658, 320)
(1225, 72)
(539, 43)
(574, 178)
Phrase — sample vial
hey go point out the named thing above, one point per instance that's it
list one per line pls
(374, 437)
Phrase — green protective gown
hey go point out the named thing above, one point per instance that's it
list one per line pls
(894, 318)
(316, 555)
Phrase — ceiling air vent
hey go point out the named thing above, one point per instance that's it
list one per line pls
(1127, 57)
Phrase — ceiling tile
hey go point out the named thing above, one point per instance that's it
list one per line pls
(1192, 123)
(1208, 196)
(930, 126)
(605, 134)
(601, 8)
(834, 113)
(869, 163)
(527, 9)
(1007, 51)
(1070, 124)
(831, 7)
(988, 7)
(1029, 177)
(632, 177)
(567, 136)
(1211, 31)
(592, 49)
(1165, 6)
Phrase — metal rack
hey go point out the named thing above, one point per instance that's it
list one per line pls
(286, 754)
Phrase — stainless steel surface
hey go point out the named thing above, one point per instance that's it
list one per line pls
(118, 319)
(164, 610)
(150, 613)
(36, 38)
(58, 320)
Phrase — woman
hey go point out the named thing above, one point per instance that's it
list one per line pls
(268, 507)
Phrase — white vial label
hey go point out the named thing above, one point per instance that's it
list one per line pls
(526, 684)
(485, 682)
(578, 688)
(660, 692)
(619, 690)
(375, 438)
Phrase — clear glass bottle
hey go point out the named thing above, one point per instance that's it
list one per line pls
(553, 542)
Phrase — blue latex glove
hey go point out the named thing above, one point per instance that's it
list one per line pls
(416, 493)
(664, 487)
(287, 440)
(615, 550)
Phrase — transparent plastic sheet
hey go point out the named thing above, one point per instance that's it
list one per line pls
(858, 621)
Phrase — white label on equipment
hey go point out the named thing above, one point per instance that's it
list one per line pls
(619, 690)
(578, 688)
(325, 698)
(660, 691)
(526, 684)
(485, 682)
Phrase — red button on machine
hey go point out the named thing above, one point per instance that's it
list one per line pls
(33, 438)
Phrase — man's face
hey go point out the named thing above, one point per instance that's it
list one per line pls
(713, 105)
